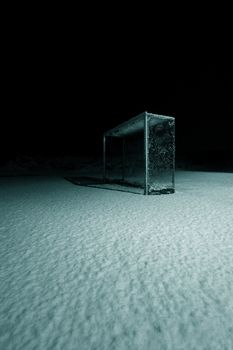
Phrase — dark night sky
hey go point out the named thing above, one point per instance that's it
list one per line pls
(64, 87)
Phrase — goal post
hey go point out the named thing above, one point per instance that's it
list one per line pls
(140, 153)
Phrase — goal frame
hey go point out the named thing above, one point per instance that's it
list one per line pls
(143, 122)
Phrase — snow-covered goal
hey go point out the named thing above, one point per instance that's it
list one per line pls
(140, 154)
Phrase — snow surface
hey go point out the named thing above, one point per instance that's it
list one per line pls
(88, 268)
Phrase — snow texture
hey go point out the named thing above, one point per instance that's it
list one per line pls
(86, 268)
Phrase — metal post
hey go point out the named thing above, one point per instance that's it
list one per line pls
(123, 159)
(173, 170)
(146, 154)
(104, 158)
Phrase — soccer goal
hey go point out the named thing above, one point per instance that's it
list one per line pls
(139, 154)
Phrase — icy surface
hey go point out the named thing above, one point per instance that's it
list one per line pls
(86, 268)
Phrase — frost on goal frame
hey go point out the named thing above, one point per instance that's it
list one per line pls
(140, 154)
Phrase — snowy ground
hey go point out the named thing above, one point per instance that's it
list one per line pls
(88, 268)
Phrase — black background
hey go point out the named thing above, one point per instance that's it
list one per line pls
(69, 78)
